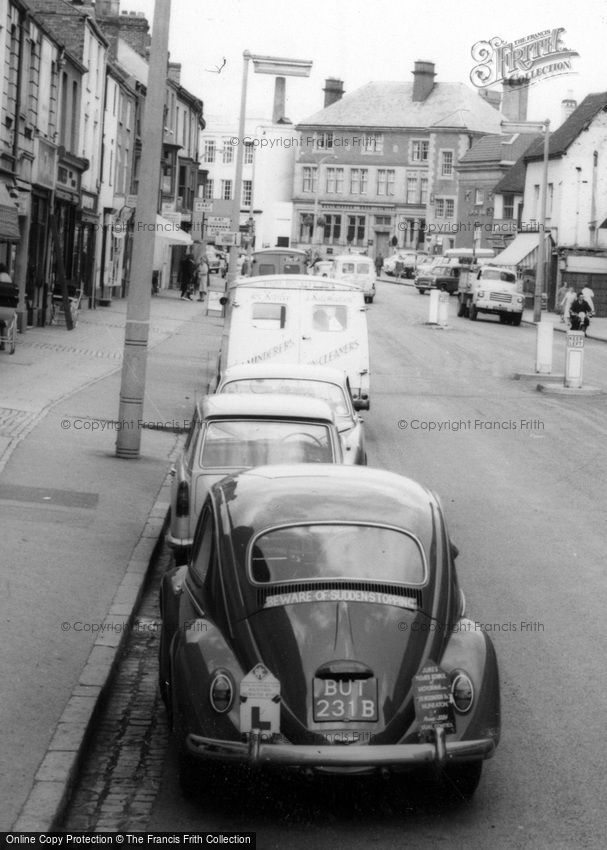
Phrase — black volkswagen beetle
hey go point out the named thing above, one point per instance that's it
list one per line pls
(319, 626)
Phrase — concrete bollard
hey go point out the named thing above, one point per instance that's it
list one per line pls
(443, 309)
(574, 359)
(543, 352)
(433, 310)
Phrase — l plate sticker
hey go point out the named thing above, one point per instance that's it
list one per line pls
(260, 701)
(432, 693)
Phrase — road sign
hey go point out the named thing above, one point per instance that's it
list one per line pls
(217, 224)
(227, 238)
(202, 206)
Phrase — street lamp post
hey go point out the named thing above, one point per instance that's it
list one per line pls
(262, 65)
(543, 127)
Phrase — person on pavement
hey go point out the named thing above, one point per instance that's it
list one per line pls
(567, 302)
(379, 263)
(186, 276)
(588, 296)
(558, 300)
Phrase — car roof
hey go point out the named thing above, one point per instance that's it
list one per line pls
(292, 281)
(276, 495)
(284, 370)
(352, 257)
(270, 405)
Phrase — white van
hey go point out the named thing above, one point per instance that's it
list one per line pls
(298, 319)
(357, 268)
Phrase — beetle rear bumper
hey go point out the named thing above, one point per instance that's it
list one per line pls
(256, 752)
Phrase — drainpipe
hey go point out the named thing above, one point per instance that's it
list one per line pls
(592, 222)
(20, 271)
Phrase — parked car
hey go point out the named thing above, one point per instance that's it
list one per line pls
(401, 264)
(319, 626)
(357, 268)
(322, 382)
(233, 432)
(321, 268)
(440, 276)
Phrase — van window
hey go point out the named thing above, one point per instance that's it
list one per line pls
(267, 268)
(347, 268)
(363, 268)
(330, 317)
(496, 274)
(269, 316)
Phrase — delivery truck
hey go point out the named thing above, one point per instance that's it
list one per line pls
(298, 319)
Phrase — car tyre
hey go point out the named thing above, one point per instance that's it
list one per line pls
(422, 291)
(516, 320)
(504, 320)
(461, 310)
(472, 313)
(460, 781)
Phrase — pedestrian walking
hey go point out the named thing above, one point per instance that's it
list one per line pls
(202, 274)
(7, 289)
(588, 296)
(558, 300)
(567, 302)
(186, 276)
(379, 264)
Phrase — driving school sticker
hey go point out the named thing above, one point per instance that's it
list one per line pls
(260, 701)
(432, 695)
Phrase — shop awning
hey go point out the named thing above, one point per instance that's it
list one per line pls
(171, 232)
(9, 217)
(522, 251)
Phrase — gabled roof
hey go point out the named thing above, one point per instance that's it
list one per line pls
(64, 22)
(567, 133)
(498, 149)
(389, 105)
(513, 181)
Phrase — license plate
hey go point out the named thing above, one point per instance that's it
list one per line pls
(345, 699)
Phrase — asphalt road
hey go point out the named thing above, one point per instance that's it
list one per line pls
(522, 477)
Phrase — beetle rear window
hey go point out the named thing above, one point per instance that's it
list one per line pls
(336, 551)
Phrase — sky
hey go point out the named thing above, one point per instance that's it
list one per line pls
(359, 42)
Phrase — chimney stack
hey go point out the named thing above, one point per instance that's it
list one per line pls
(174, 72)
(515, 94)
(492, 97)
(423, 80)
(334, 90)
(568, 105)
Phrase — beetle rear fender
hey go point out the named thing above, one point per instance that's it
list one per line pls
(471, 651)
(199, 651)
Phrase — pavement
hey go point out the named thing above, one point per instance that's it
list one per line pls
(80, 528)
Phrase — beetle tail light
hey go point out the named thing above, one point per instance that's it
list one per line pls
(221, 692)
(182, 502)
(462, 691)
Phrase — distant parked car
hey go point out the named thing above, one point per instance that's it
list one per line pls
(319, 627)
(402, 264)
(357, 268)
(444, 277)
(233, 432)
(329, 385)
